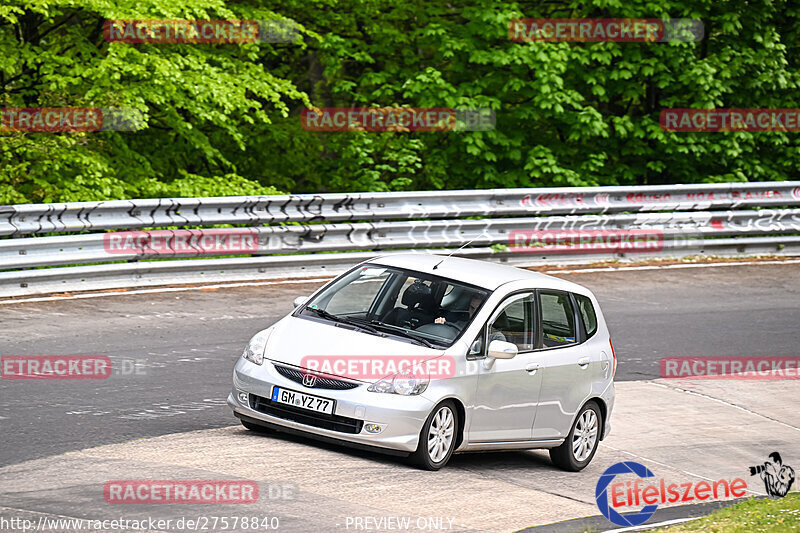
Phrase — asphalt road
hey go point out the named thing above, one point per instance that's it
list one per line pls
(175, 351)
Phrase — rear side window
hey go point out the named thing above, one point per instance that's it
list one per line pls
(587, 313)
(558, 320)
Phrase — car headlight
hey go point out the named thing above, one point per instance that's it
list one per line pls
(404, 384)
(254, 352)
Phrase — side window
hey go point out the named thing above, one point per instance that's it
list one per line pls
(514, 323)
(558, 320)
(476, 348)
(587, 313)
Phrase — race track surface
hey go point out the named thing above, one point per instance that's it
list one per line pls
(176, 350)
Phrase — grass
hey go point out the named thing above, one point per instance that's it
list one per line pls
(751, 516)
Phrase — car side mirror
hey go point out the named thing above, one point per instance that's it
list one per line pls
(500, 350)
(300, 300)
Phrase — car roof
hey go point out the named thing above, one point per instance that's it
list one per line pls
(482, 274)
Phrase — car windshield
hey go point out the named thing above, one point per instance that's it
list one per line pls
(413, 306)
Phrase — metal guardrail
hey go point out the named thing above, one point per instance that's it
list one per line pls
(258, 210)
(689, 219)
(98, 247)
(243, 269)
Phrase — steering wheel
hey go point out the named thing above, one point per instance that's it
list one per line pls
(436, 329)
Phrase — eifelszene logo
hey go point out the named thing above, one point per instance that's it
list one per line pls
(601, 494)
(613, 497)
(777, 477)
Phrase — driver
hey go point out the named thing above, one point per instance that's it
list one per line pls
(474, 304)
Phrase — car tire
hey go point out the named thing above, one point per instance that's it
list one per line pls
(581, 444)
(255, 427)
(437, 440)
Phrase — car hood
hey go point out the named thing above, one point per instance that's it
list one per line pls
(297, 341)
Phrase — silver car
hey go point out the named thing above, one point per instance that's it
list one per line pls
(425, 356)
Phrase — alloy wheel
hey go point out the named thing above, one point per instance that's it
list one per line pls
(440, 435)
(585, 435)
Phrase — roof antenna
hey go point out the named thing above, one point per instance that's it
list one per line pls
(459, 249)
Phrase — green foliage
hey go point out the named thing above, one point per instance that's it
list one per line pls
(749, 516)
(200, 102)
(224, 118)
(568, 114)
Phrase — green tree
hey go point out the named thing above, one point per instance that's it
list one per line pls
(200, 102)
(567, 113)
(224, 119)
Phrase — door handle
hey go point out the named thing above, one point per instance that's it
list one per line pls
(584, 362)
(532, 368)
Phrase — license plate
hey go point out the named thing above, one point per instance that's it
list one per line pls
(302, 400)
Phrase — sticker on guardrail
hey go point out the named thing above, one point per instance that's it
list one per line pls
(639, 200)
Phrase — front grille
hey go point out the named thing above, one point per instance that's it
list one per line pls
(320, 382)
(341, 424)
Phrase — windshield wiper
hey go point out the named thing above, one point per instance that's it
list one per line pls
(397, 330)
(344, 320)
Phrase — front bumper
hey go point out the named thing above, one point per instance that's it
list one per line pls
(401, 417)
